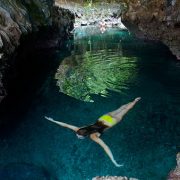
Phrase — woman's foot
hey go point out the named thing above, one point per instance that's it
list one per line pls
(137, 99)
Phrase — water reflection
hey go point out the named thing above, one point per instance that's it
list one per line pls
(97, 64)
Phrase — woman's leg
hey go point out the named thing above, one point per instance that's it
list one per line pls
(120, 112)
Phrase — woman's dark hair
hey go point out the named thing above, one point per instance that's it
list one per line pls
(86, 131)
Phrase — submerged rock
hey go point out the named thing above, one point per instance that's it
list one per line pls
(175, 174)
(155, 19)
(112, 178)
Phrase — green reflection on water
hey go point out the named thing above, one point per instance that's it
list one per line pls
(96, 65)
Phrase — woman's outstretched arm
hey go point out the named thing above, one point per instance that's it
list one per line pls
(95, 138)
(74, 128)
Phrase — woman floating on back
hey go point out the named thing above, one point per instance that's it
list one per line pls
(95, 130)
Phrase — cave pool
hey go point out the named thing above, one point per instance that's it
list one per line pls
(91, 75)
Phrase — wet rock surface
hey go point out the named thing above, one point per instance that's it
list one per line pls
(156, 20)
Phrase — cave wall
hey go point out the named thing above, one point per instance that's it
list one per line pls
(21, 17)
(156, 20)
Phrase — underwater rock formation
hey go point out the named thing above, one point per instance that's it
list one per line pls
(21, 17)
(112, 178)
(156, 20)
(175, 174)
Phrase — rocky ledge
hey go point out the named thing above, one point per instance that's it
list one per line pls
(156, 20)
(21, 17)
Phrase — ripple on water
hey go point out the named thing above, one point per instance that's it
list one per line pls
(95, 71)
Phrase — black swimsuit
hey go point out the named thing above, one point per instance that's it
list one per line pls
(98, 127)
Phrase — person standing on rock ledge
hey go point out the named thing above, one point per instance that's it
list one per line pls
(95, 130)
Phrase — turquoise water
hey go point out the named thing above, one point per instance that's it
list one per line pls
(92, 75)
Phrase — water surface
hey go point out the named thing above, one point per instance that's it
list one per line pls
(92, 75)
